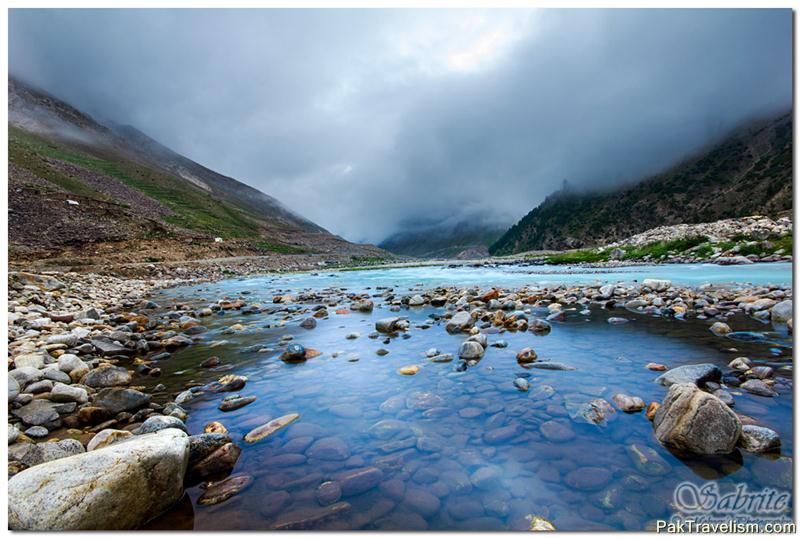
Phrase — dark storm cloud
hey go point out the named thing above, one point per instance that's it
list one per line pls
(360, 120)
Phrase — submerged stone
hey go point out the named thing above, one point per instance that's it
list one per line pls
(223, 490)
(270, 427)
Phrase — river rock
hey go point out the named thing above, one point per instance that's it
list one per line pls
(215, 427)
(740, 363)
(107, 348)
(629, 404)
(211, 362)
(107, 376)
(36, 432)
(720, 329)
(388, 325)
(39, 453)
(25, 376)
(311, 518)
(329, 449)
(68, 362)
(45, 385)
(758, 387)
(486, 478)
(646, 460)
(759, 439)
(116, 400)
(161, 422)
(234, 402)
(422, 502)
(223, 490)
(37, 413)
(538, 523)
(416, 300)
(13, 388)
(470, 350)
(656, 284)
(56, 375)
(588, 478)
(697, 422)
(698, 374)
(363, 306)
(540, 326)
(421, 400)
(782, 312)
(13, 433)
(308, 323)
(557, 430)
(231, 383)
(265, 430)
(328, 493)
(107, 437)
(219, 462)
(66, 393)
(526, 356)
(359, 480)
(461, 321)
(118, 487)
(598, 412)
(30, 360)
(294, 353)
(411, 369)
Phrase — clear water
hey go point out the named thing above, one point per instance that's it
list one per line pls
(452, 424)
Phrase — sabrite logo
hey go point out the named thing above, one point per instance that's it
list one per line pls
(707, 499)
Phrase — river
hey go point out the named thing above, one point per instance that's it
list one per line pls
(465, 450)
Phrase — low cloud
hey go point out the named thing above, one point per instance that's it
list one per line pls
(364, 120)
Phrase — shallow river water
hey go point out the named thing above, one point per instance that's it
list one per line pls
(464, 450)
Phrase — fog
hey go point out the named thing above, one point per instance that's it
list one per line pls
(363, 120)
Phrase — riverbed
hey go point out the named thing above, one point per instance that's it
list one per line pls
(463, 448)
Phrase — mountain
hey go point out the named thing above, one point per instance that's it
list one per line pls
(79, 187)
(447, 238)
(747, 173)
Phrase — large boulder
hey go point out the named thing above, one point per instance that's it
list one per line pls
(118, 487)
(694, 421)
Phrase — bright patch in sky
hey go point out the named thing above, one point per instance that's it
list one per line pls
(465, 42)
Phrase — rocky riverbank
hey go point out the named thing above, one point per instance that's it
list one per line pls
(726, 242)
(79, 348)
(82, 348)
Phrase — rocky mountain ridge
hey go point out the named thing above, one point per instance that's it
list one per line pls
(747, 173)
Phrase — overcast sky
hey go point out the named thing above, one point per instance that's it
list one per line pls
(359, 120)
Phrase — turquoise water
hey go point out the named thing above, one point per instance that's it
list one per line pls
(514, 276)
(463, 450)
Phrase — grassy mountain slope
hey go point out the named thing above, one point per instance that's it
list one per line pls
(75, 184)
(750, 172)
